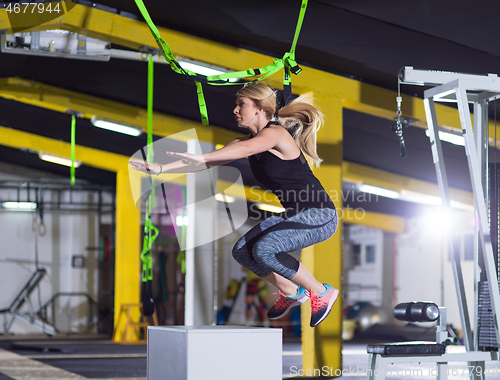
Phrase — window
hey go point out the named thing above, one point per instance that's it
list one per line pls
(356, 255)
(469, 247)
(370, 254)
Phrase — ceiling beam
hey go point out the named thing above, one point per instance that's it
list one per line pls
(61, 100)
(16, 139)
(360, 174)
(380, 221)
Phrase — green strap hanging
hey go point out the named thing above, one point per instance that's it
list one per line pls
(72, 169)
(287, 62)
(150, 152)
(150, 231)
(291, 65)
(302, 13)
(202, 104)
(150, 106)
(150, 235)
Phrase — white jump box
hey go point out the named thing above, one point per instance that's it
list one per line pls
(214, 353)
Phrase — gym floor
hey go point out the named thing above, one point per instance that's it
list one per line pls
(36, 357)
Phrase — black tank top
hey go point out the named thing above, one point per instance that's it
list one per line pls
(292, 181)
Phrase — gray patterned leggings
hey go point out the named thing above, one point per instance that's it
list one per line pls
(264, 248)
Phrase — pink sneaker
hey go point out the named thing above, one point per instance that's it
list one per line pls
(321, 304)
(285, 304)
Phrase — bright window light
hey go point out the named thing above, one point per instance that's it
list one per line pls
(19, 206)
(58, 159)
(270, 208)
(116, 127)
(438, 221)
(449, 137)
(224, 198)
(379, 191)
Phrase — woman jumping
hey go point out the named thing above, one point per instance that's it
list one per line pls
(276, 148)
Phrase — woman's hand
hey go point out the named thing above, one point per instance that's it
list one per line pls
(145, 167)
(188, 158)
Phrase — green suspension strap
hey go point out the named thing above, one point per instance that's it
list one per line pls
(291, 60)
(150, 234)
(287, 62)
(150, 112)
(74, 116)
(150, 231)
(290, 63)
(201, 103)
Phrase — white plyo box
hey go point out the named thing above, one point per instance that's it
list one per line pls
(214, 353)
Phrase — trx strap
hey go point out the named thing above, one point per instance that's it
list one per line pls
(150, 109)
(74, 115)
(290, 63)
(150, 231)
(287, 63)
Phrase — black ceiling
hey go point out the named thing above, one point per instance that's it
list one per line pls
(365, 39)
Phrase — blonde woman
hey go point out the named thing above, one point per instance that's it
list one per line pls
(276, 148)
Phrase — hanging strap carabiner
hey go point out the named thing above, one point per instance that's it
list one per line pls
(398, 125)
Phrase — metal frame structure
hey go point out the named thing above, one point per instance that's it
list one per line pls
(464, 90)
(33, 191)
(63, 202)
(32, 317)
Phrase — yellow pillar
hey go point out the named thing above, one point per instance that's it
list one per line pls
(127, 261)
(322, 345)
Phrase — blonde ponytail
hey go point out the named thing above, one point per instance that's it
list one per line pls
(304, 120)
(301, 117)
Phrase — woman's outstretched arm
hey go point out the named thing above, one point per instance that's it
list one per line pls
(245, 147)
(180, 166)
(188, 163)
(236, 149)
